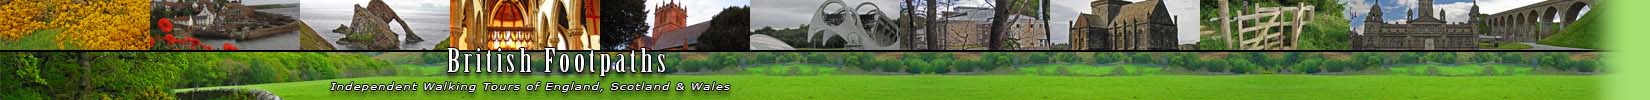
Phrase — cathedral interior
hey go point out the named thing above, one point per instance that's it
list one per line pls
(526, 24)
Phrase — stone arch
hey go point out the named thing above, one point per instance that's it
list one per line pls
(1575, 11)
(509, 10)
(1501, 20)
(1533, 25)
(1518, 19)
(1544, 21)
(549, 27)
(1529, 18)
(1500, 24)
(1494, 22)
(1534, 17)
(1547, 15)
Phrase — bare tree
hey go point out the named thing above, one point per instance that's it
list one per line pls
(995, 41)
(910, 23)
(932, 30)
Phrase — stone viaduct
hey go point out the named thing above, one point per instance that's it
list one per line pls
(1535, 21)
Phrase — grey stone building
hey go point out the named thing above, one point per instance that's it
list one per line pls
(1123, 25)
(968, 28)
(1423, 31)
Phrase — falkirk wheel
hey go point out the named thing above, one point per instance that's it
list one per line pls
(870, 30)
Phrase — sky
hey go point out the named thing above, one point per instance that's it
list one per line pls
(699, 11)
(1457, 9)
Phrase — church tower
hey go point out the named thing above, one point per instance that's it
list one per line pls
(1472, 15)
(1425, 16)
(1443, 15)
(1374, 13)
(669, 17)
(1107, 9)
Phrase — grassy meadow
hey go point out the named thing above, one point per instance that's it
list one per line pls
(1017, 76)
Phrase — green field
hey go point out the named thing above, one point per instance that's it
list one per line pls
(1462, 70)
(43, 39)
(1089, 70)
(790, 69)
(1504, 46)
(1580, 34)
(997, 87)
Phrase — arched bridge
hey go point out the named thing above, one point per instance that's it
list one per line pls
(1535, 21)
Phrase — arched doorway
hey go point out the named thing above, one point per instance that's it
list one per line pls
(507, 28)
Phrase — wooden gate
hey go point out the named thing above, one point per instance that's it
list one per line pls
(1263, 28)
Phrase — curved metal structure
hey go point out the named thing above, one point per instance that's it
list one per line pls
(869, 31)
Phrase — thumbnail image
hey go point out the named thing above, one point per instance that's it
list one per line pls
(375, 24)
(1273, 25)
(827, 25)
(1398, 25)
(1472, 25)
(226, 24)
(75, 25)
(525, 24)
(1126, 25)
(977, 25)
(969, 24)
(676, 24)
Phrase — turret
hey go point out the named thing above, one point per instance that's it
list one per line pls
(1374, 13)
(1472, 15)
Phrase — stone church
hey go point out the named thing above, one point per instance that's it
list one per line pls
(1423, 31)
(1123, 25)
(667, 20)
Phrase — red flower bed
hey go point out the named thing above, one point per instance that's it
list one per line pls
(165, 25)
(188, 43)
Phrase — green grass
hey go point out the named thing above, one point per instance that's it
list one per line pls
(1007, 87)
(1462, 70)
(309, 40)
(1089, 70)
(426, 69)
(785, 69)
(42, 39)
(1506, 46)
(444, 44)
(1580, 34)
(1327, 32)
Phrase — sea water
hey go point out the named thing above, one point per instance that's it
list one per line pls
(427, 18)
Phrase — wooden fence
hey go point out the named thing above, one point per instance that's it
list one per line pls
(1263, 28)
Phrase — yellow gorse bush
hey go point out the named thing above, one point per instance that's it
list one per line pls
(103, 24)
(20, 19)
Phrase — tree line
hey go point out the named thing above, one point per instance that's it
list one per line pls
(1228, 63)
(151, 75)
